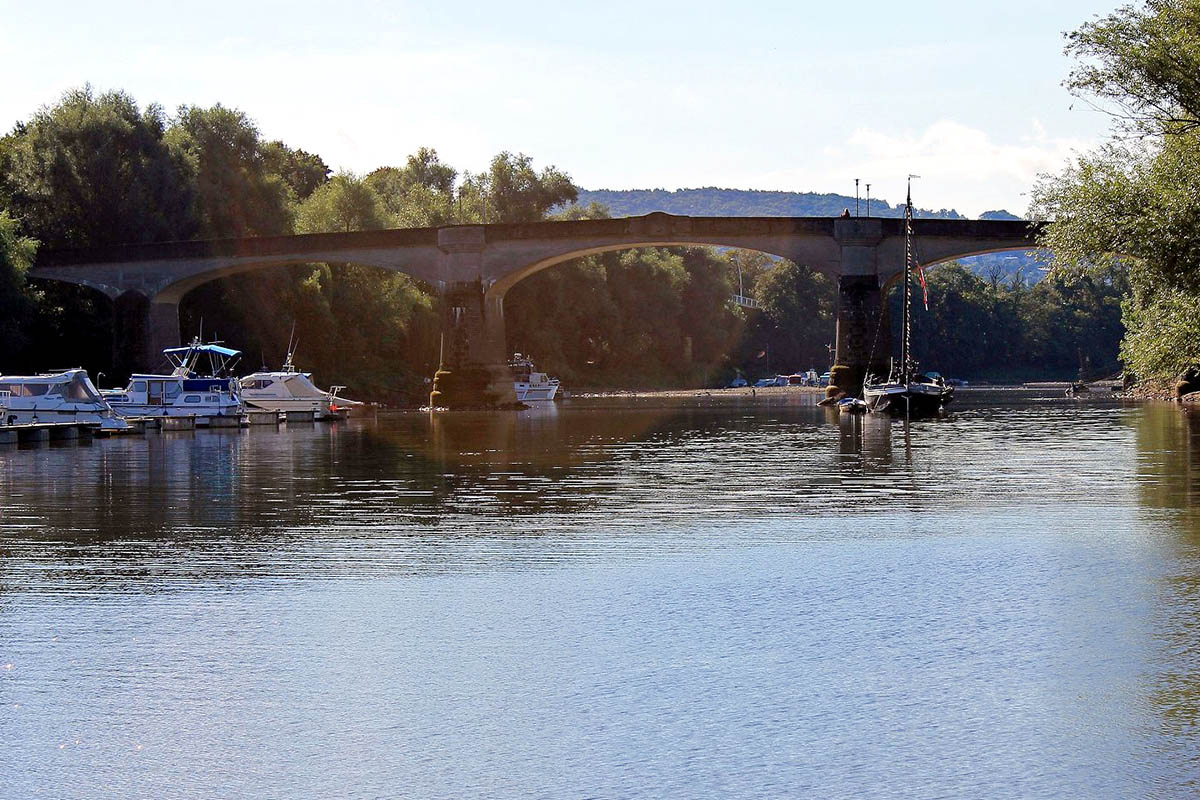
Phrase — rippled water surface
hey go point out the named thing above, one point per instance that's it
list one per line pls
(695, 597)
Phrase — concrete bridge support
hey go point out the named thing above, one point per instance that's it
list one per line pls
(473, 368)
(864, 339)
(142, 328)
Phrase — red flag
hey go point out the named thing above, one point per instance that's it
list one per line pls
(924, 288)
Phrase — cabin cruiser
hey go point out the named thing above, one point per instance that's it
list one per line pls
(529, 385)
(197, 386)
(66, 396)
(289, 389)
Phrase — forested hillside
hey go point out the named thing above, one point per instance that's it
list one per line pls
(714, 202)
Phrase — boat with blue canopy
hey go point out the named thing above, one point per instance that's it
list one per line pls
(199, 385)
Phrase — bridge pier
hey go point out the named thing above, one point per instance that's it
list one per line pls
(142, 328)
(864, 337)
(473, 368)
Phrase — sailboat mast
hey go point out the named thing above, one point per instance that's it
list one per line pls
(905, 353)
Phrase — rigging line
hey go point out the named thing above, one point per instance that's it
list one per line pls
(879, 317)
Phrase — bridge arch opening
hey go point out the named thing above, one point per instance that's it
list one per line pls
(370, 328)
(647, 316)
(74, 335)
(1000, 317)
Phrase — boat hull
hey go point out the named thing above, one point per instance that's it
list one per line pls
(535, 392)
(914, 399)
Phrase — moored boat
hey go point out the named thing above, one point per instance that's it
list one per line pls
(531, 386)
(198, 386)
(905, 391)
(66, 396)
(289, 389)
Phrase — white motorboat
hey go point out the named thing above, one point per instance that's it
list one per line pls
(531, 386)
(289, 389)
(197, 386)
(66, 396)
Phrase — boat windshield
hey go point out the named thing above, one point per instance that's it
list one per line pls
(300, 386)
(80, 389)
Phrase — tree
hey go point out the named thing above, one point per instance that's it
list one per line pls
(796, 323)
(512, 191)
(17, 307)
(302, 172)
(235, 192)
(1136, 200)
(1144, 63)
(345, 203)
(94, 170)
(419, 194)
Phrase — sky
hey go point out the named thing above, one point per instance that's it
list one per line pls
(794, 96)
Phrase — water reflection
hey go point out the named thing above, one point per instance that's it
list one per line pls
(1001, 602)
(595, 474)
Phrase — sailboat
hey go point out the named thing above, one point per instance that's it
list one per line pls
(905, 391)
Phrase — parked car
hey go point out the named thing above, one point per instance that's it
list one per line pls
(761, 382)
(797, 380)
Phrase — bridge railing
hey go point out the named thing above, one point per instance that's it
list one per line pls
(746, 302)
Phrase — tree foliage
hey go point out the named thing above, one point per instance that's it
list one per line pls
(1003, 329)
(1136, 200)
(94, 170)
(302, 172)
(1143, 64)
(512, 191)
(345, 203)
(235, 193)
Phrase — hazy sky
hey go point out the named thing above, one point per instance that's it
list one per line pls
(796, 96)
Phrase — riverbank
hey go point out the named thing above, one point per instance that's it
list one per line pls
(1099, 389)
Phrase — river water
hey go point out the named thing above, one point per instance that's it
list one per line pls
(687, 598)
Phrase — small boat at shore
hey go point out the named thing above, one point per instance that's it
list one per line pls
(289, 389)
(198, 386)
(66, 396)
(531, 386)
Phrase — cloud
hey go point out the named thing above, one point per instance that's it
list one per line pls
(960, 167)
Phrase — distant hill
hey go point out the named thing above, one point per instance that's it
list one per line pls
(713, 202)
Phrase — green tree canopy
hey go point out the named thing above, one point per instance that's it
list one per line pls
(235, 193)
(302, 172)
(16, 304)
(1137, 200)
(512, 191)
(94, 170)
(419, 194)
(345, 203)
(1143, 63)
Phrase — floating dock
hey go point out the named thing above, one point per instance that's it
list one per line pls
(37, 432)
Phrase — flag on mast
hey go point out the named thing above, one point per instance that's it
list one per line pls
(916, 263)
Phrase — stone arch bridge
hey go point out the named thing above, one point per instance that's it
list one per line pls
(473, 266)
